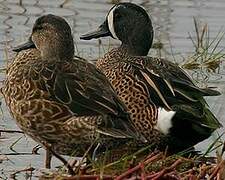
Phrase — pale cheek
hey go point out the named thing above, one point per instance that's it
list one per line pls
(111, 23)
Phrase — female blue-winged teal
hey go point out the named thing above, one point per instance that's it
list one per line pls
(60, 99)
(162, 100)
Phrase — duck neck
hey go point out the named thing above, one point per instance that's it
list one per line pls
(138, 45)
(137, 42)
(62, 51)
(134, 50)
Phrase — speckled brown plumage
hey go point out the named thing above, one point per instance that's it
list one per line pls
(163, 102)
(144, 84)
(134, 93)
(60, 100)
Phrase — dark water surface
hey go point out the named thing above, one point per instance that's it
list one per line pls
(172, 19)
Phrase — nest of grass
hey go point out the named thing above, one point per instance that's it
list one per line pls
(144, 164)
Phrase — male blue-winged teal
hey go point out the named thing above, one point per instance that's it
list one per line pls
(60, 99)
(164, 103)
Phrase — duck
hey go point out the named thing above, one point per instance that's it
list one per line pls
(163, 102)
(60, 100)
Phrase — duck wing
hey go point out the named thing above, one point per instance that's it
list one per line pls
(78, 85)
(170, 87)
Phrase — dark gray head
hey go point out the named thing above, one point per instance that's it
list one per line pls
(130, 24)
(51, 35)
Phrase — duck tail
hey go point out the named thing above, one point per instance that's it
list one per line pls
(210, 92)
(210, 120)
(193, 123)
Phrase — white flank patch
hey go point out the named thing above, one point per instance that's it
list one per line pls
(164, 122)
(110, 22)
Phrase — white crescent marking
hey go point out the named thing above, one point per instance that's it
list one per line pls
(111, 23)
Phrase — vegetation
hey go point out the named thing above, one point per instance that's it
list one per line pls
(207, 57)
(147, 164)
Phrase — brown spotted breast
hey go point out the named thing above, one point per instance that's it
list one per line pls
(34, 109)
(132, 91)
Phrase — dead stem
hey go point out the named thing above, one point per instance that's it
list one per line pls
(221, 172)
(89, 177)
(217, 169)
(16, 154)
(172, 175)
(203, 170)
(35, 149)
(11, 131)
(152, 158)
(167, 169)
(13, 175)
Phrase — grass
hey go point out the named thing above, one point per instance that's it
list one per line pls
(207, 57)
(144, 163)
(153, 165)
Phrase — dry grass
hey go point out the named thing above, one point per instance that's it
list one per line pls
(154, 165)
(207, 56)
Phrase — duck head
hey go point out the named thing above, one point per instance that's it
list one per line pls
(52, 36)
(128, 23)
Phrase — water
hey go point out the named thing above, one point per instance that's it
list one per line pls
(172, 20)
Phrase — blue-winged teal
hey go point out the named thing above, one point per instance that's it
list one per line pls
(162, 100)
(60, 99)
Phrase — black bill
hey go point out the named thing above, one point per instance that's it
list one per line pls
(27, 45)
(102, 31)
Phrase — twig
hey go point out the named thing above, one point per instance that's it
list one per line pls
(35, 149)
(164, 171)
(153, 158)
(62, 5)
(203, 170)
(152, 175)
(216, 169)
(22, 170)
(142, 167)
(16, 153)
(11, 131)
(14, 143)
(190, 171)
(221, 173)
(132, 170)
(172, 175)
(89, 177)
